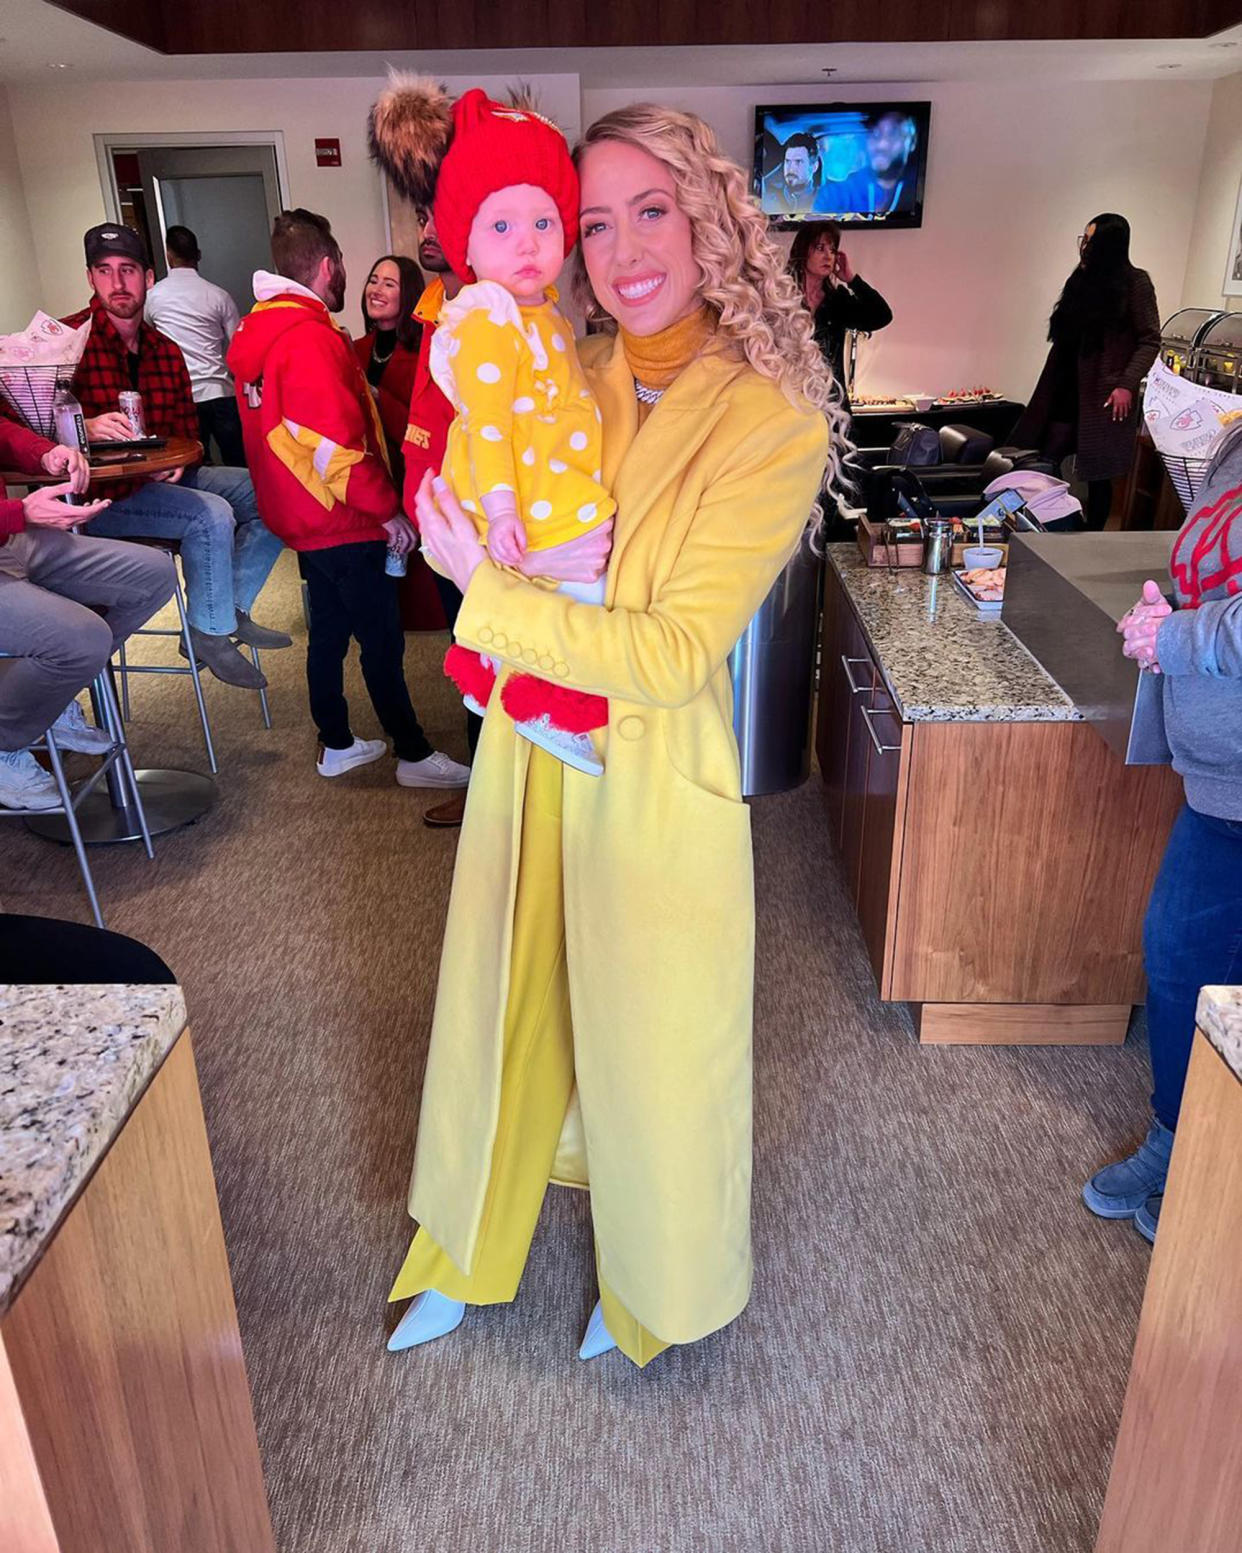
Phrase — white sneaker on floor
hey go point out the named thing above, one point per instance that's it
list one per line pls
(571, 749)
(24, 784)
(73, 732)
(434, 770)
(334, 763)
(430, 1315)
(597, 1339)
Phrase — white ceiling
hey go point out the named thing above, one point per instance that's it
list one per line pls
(39, 43)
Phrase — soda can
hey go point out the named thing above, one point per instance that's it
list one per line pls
(131, 408)
(395, 562)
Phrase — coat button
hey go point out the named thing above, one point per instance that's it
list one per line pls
(631, 727)
(561, 670)
(485, 634)
(530, 655)
(499, 640)
(515, 648)
(546, 661)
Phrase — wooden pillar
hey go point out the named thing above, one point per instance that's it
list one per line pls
(1176, 1483)
(125, 1417)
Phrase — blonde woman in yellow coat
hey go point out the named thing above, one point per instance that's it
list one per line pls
(593, 1018)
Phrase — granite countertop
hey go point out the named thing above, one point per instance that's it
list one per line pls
(1219, 1016)
(941, 660)
(74, 1061)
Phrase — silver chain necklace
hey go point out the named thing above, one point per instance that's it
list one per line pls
(647, 395)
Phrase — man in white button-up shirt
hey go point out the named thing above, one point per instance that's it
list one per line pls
(201, 318)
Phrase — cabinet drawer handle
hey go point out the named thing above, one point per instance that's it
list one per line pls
(849, 678)
(880, 749)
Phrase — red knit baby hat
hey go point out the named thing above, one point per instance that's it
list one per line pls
(495, 147)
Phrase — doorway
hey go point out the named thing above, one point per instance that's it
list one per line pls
(227, 194)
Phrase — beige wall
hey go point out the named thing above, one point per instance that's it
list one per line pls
(54, 126)
(19, 278)
(1015, 171)
(1214, 234)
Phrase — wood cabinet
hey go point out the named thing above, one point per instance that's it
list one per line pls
(1000, 870)
(125, 1419)
(1176, 1481)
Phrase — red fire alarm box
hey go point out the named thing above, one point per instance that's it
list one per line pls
(327, 153)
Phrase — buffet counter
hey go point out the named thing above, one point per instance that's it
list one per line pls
(998, 851)
(125, 1417)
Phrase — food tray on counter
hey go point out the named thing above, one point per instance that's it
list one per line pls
(985, 606)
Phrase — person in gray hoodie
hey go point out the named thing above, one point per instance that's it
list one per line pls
(1192, 935)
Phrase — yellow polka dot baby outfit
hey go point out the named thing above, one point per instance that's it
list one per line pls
(526, 421)
(528, 425)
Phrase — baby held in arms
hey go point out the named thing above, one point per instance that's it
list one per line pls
(524, 452)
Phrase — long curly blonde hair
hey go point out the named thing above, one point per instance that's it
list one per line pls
(744, 279)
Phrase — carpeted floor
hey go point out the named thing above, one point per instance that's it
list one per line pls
(936, 1352)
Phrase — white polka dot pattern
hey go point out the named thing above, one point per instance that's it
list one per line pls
(488, 372)
(558, 342)
(539, 510)
(528, 458)
(579, 441)
(500, 486)
(587, 512)
(492, 434)
(523, 406)
(557, 466)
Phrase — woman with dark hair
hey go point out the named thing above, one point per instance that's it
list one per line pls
(388, 351)
(836, 296)
(1105, 334)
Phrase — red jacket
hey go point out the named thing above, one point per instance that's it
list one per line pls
(430, 414)
(20, 448)
(395, 386)
(314, 442)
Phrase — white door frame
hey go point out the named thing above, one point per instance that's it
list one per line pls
(106, 144)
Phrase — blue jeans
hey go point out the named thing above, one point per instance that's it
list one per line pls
(1192, 938)
(226, 552)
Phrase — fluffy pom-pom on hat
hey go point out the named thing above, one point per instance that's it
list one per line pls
(410, 128)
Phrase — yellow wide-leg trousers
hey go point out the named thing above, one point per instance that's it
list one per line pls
(536, 1083)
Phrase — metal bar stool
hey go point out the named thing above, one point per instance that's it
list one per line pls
(115, 765)
(190, 667)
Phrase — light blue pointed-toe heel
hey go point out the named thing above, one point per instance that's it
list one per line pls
(430, 1315)
(597, 1339)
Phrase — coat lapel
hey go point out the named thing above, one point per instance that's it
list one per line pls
(641, 462)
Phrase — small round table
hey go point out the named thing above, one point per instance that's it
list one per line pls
(170, 799)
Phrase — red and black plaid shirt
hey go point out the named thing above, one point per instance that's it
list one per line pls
(163, 381)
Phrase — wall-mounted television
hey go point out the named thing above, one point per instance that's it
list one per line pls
(859, 163)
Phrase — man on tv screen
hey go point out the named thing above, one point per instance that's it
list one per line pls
(886, 183)
(790, 189)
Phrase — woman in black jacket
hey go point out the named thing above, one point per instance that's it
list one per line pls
(837, 297)
(1105, 334)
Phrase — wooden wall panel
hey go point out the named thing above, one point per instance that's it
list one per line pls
(228, 26)
(1028, 855)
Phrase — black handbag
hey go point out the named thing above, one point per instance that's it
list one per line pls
(915, 446)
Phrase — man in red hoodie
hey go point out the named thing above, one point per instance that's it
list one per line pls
(315, 446)
(52, 582)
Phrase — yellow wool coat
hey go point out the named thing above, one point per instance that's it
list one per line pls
(713, 493)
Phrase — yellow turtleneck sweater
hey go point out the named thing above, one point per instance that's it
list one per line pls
(656, 360)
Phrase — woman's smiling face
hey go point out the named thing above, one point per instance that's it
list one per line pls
(636, 242)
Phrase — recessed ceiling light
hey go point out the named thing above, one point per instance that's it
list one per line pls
(1168, 67)
(58, 67)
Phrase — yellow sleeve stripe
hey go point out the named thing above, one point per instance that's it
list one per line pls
(317, 463)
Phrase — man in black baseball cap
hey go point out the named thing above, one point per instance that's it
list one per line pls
(226, 551)
(115, 237)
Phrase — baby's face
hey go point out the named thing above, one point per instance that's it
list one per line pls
(517, 239)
